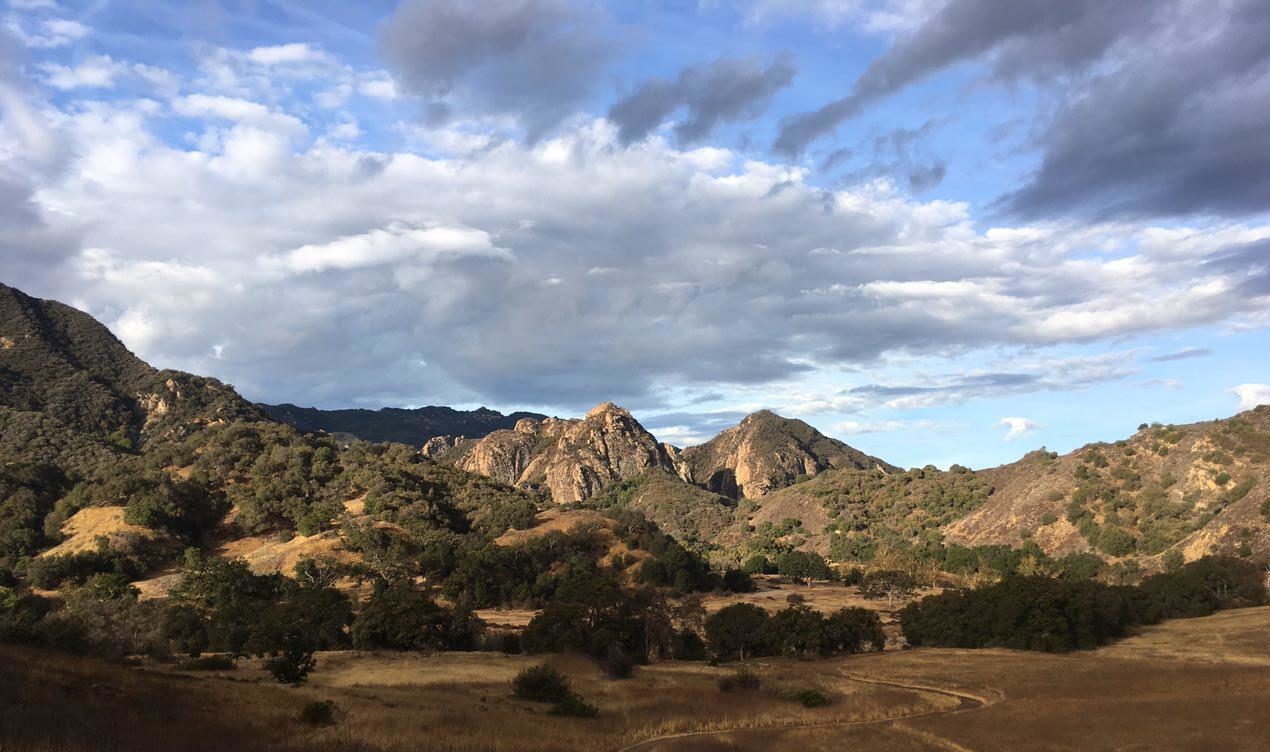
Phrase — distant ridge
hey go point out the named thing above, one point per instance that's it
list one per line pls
(405, 426)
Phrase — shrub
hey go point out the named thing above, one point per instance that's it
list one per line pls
(741, 680)
(808, 698)
(541, 683)
(208, 663)
(321, 713)
(291, 665)
(616, 664)
(573, 706)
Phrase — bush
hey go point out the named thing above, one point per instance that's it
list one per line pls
(291, 665)
(541, 683)
(208, 663)
(573, 706)
(616, 664)
(320, 713)
(741, 680)
(808, 698)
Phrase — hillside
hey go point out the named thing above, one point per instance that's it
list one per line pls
(404, 426)
(1193, 489)
(765, 452)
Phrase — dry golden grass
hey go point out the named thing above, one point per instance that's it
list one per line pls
(84, 527)
(1195, 684)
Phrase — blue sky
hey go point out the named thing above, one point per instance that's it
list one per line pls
(941, 230)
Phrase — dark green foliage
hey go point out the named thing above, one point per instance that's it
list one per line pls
(184, 508)
(808, 698)
(293, 663)
(1202, 587)
(27, 493)
(573, 706)
(52, 572)
(1025, 613)
(852, 630)
(803, 566)
(541, 683)
(741, 630)
(208, 663)
(399, 616)
(1037, 613)
(318, 713)
(758, 564)
(738, 581)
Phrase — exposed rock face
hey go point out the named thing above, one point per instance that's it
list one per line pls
(766, 452)
(573, 459)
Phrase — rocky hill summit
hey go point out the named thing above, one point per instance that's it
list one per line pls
(573, 459)
(765, 452)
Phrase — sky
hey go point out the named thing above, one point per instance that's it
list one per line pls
(944, 231)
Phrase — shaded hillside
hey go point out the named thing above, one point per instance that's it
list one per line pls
(71, 394)
(404, 426)
(766, 452)
(572, 459)
(1193, 490)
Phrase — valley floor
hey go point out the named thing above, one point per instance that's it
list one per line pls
(1185, 685)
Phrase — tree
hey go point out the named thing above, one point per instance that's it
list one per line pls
(400, 617)
(798, 630)
(803, 566)
(740, 629)
(852, 630)
(889, 584)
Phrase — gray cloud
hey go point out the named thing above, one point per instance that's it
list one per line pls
(1153, 111)
(725, 90)
(534, 59)
(1184, 354)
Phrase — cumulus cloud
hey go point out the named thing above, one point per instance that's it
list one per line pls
(1017, 428)
(531, 59)
(725, 90)
(566, 270)
(1252, 395)
(1132, 80)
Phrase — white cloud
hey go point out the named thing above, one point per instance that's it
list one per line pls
(397, 242)
(1017, 427)
(286, 53)
(1252, 395)
(98, 71)
(52, 33)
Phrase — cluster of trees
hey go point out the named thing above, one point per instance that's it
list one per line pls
(1042, 613)
(744, 630)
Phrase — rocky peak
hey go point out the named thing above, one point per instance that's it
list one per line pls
(573, 459)
(765, 452)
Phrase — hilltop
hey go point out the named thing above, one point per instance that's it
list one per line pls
(413, 426)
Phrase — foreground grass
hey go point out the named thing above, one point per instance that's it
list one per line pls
(1193, 684)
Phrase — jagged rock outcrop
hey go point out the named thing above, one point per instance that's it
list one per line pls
(766, 452)
(572, 459)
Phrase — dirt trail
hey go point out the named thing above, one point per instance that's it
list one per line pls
(967, 702)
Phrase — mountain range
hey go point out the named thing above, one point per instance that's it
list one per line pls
(77, 403)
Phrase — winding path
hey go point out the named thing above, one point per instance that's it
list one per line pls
(967, 702)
